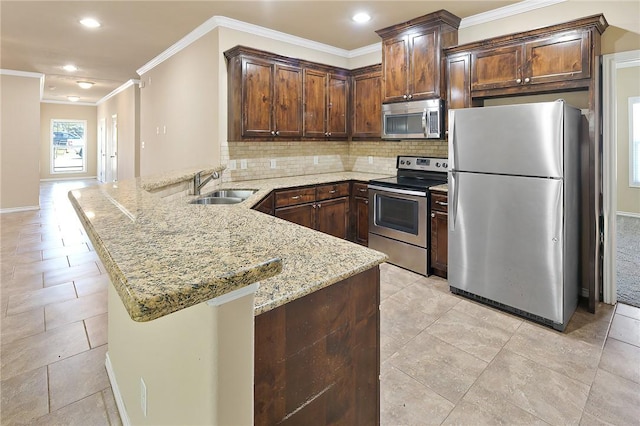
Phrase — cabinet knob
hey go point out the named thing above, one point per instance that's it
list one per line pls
(273, 133)
(366, 201)
(519, 80)
(314, 206)
(433, 215)
(526, 80)
(277, 132)
(326, 133)
(410, 96)
(329, 133)
(404, 96)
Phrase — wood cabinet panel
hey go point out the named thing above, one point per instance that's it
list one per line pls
(257, 97)
(334, 190)
(394, 73)
(561, 57)
(424, 65)
(302, 214)
(315, 102)
(458, 87)
(366, 103)
(332, 217)
(337, 108)
(496, 68)
(294, 196)
(266, 205)
(323, 348)
(287, 107)
(439, 234)
(361, 220)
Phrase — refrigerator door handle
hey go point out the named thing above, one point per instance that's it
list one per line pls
(452, 141)
(453, 201)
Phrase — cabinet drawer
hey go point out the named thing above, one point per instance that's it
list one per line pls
(295, 196)
(360, 189)
(326, 192)
(439, 201)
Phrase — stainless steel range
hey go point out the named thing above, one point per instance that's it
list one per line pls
(399, 209)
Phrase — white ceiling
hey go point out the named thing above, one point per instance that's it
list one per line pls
(42, 36)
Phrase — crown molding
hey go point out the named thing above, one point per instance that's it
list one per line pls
(46, 101)
(506, 11)
(21, 73)
(222, 21)
(118, 90)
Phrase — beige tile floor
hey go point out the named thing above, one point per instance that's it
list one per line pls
(445, 360)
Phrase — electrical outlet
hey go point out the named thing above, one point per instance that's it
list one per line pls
(164, 129)
(315, 160)
(273, 163)
(157, 130)
(232, 164)
(143, 396)
(142, 144)
(370, 159)
(243, 164)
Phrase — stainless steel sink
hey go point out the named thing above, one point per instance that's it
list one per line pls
(225, 196)
(217, 200)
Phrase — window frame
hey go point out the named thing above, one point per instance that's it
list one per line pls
(634, 145)
(52, 167)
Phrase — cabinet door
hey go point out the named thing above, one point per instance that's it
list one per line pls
(366, 121)
(562, 57)
(496, 68)
(361, 220)
(303, 214)
(315, 103)
(287, 105)
(424, 65)
(439, 243)
(266, 205)
(332, 217)
(395, 64)
(337, 106)
(257, 96)
(458, 87)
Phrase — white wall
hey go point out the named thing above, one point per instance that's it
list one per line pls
(20, 142)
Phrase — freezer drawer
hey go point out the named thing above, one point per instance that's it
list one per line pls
(506, 240)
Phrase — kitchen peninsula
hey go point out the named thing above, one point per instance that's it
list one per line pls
(184, 298)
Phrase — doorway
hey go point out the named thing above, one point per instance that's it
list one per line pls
(102, 149)
(111, 174)
(620, 198)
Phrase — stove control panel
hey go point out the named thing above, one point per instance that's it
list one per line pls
(422, 163)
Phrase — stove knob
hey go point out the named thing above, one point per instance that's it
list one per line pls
(408, 163)
(444, 165)
(401, 161)
(437, 164)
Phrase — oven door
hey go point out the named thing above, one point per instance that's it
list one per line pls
(399, 214)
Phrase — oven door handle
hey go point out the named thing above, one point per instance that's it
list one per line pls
(398, 191)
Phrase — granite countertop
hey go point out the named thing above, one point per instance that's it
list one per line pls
(164, 255)
(440, 188)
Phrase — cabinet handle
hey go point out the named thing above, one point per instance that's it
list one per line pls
(315, 205)
(442, 203)
(333, 191)
(366, 201)
(410, 96)
(362, 190)
(319, 205)
(404, 96)
(326, 133)
(329, 133)
(526, 80)
(433, 215)
(296, 197)
(273, 133)
(277, 132)
(519, 80)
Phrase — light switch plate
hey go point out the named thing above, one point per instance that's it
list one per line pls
(232, 164)
(273, 163)
(370, 159)
(243, 164)
(315, 160)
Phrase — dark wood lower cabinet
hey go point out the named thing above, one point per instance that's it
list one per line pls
(439, 234)
(332, 217)
(317, 359)
(303, 214)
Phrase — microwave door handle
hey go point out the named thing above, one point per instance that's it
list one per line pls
(424, 122)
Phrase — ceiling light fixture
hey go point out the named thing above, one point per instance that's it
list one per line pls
(90, 23)
(73, 98)
(361, 17)
(70, 68)
(85, 84)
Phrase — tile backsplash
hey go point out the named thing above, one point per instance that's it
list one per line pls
(279, 159)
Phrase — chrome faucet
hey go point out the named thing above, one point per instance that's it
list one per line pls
(198, 183)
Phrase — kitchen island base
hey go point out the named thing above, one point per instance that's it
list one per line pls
(317, 358)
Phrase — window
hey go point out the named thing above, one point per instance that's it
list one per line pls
(634, 141)
(68, 146)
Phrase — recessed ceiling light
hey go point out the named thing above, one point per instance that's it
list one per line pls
(90, 23)
(85, 84)
(70, 68)
(73, 98)
(361, 17)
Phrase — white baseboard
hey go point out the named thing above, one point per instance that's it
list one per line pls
(116, 392)
(19, 209)
(629, 214)
(68, 178)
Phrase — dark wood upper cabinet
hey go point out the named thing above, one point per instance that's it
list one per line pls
(325, 104)
(265, 96)
(556, 58)
(411, 56)
(366, 102)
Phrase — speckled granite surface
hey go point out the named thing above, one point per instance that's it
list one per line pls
(166, 255)
(177, 176)
(440, 188)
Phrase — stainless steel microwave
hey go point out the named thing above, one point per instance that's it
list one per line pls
(413, 120)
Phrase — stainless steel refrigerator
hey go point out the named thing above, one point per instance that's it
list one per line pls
(514, 208)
